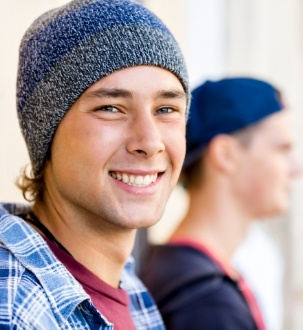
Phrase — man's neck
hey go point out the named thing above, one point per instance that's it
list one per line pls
(103, 251)
(215, 222)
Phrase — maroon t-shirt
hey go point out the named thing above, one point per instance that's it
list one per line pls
(112, 302)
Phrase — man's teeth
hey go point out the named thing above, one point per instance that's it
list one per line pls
(135, 180)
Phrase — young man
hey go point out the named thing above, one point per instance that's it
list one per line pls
(238, 167)
(102, 95)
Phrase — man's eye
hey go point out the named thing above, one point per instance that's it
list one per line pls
(107, 108)
(164, 110)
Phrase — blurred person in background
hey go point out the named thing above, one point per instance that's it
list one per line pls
(238, 168)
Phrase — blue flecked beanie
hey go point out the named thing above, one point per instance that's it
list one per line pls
(226, 106)
(69, 48)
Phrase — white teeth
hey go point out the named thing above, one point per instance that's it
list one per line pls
(147, 180)
(125, 178)
(133, 180)
(139, 180)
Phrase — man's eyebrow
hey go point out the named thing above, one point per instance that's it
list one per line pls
(107, 93)
(171, 94)
(119, 92)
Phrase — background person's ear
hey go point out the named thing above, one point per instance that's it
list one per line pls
(223, 152)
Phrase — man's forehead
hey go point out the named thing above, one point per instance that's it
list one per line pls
(124, 82)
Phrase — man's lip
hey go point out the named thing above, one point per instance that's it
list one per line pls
(138, 172)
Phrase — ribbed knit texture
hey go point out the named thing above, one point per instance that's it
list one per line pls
(69, 48)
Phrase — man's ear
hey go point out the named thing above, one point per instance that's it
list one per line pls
(223, 152)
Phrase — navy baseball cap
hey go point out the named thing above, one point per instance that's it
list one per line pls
(226, 106)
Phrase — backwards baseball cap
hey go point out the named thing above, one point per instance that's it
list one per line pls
(227, 106)
(69, 48)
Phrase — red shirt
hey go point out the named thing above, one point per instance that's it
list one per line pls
(112, 302)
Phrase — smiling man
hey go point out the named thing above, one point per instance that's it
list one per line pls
(102, 96)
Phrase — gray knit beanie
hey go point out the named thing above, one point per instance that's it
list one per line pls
(69, 48)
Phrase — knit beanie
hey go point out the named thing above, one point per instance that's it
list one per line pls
(68, 49)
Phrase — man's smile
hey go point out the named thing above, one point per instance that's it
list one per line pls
(135, 180)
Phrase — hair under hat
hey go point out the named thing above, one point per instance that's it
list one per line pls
(69, 48)
(226, 106)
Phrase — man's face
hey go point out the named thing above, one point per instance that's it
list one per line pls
(267, 167)
(117, 153)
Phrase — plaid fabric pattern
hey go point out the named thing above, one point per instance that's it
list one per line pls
(37, 292)
(142, 306)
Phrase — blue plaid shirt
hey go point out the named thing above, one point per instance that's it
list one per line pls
(37, 291)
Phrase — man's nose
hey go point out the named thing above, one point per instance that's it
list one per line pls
(145, 136)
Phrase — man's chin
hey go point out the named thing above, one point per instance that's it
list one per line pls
(146, 223)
